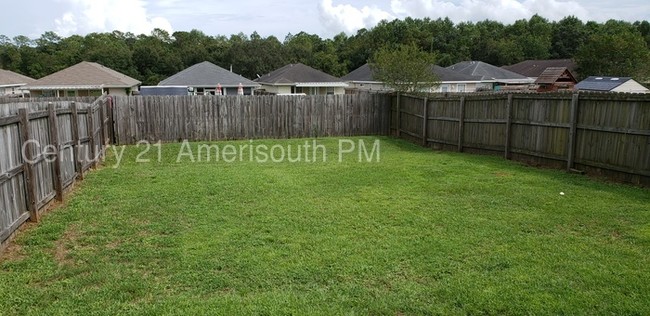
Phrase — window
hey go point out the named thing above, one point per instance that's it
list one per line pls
(444, 88)
(461, 87)
(330, 90)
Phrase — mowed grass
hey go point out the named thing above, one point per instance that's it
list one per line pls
(420, 232)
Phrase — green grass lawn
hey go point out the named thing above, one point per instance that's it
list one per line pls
(420, 232)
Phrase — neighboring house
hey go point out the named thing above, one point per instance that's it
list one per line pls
(611, 84)
(556, 79)
(84, 79)
(534, 68)
(452, 81)
(204, 78)
(11, 83)
(299, 79)
(500, 78)
(362, 79)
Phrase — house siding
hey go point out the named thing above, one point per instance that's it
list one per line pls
(631, 86)
(367, 86)
(8, 90)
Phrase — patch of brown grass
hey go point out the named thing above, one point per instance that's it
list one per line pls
(63, 245)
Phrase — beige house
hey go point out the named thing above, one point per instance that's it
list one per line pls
(11, 83)
(300, 79)
(362, 79)
(84, 79)
(611, 84)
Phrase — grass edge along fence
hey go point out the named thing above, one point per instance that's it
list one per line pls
(602, 134)
(45, 148)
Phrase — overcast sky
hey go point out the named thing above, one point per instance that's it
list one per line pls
(280, 17)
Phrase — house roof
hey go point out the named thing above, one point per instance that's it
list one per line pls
(10, 78)
(534, 68)
(446, 74)
(595, 83)
(84, 75)
(486, 71)
(297, 73)
(553, 74)
(365, 73)
(207, 74)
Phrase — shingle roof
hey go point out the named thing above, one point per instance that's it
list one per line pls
(364, 73)
(445, 74)
(595, 83)
(11, 78)
(86, 74)
(488, 72)
(207, 74)
(553, 74)
(534, 68)
(296, 73)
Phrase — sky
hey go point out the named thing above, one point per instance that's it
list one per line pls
(325, 18)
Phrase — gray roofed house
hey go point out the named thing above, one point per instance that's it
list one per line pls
(11, 83)
(301, 79)
(491, 73)
(362, 78)
(611, 84)
(203, 78)
(84, 79)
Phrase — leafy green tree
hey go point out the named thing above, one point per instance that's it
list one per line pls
(154, 58)
(568, 35)
(615, 54)
(406, 69)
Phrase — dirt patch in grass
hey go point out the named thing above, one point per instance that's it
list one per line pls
(62, 246)
(13, 252)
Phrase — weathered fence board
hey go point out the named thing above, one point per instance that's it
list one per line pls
(31, 173)
(174, 118)
(603, 133)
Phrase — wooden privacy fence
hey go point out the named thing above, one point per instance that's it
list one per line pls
(607, 134)
(44, 147)
(208, 118)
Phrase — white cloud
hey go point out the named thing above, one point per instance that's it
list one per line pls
(349, 19)
(87, 16)
(506, 11)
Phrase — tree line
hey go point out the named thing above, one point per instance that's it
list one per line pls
(615, 48)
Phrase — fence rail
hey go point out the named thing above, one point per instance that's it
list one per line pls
(44, 148)
(208, 118)
(608, 134)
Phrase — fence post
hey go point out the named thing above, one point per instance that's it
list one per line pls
(508, 126)
(111, 121)
(461, 124)
(425, 122)
(90, 126)
(399, 116)
(102, 132)
(572, 131)
(28, 168)
(76, 141)
(54, 141)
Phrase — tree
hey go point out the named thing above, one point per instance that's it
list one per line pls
(568, 35)
(406, 69)
(615, 54)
